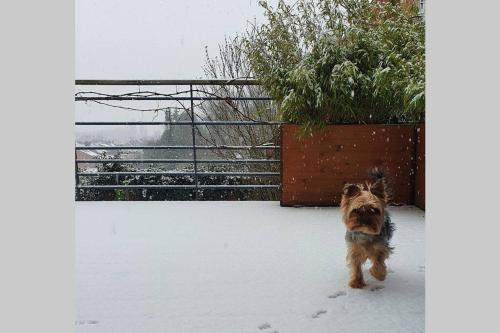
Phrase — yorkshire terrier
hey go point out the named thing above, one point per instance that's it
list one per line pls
(369, 227)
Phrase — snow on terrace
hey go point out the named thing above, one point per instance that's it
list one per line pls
(237, 267)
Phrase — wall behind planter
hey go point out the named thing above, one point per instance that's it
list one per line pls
(315, 168)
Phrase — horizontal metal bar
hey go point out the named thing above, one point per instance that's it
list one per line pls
(170, 98)
(200, 123)
(137, 173)
(238, 186)
(219, 82)
(171, 147)
(175, 186)
(132, 186)
(187, 173)
(103, 161)
(240, 161)
(249, 174)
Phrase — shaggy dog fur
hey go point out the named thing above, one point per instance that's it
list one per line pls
(368, 227)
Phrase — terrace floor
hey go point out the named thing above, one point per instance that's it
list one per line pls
(237, 267)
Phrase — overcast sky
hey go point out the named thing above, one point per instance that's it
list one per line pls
(160, 39)
(148, 39)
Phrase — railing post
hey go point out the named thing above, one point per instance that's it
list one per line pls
(195, 161)
(77, 179)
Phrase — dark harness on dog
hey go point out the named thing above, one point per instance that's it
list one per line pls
(383, 237)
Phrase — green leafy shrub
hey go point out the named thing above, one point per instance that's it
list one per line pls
(341, 61)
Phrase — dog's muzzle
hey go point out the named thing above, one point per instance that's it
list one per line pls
(364, 220)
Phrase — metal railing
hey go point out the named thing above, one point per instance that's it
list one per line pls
(196, 173)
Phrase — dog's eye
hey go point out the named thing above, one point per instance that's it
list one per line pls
(374, 211)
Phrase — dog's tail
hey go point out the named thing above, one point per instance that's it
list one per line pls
(377, 173)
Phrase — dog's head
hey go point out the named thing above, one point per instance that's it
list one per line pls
(363, 206)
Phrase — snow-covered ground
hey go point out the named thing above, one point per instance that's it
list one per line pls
(237, 267)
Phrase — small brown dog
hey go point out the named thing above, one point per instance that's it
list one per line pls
(369, 227)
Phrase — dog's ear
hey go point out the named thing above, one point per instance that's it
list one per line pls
(379, 188)
(351, 190)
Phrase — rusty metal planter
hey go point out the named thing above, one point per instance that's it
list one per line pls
(314, 168)
(420, 167)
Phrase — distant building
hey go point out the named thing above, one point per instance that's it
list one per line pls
(421, 6)
(92, 154)
(419, 3)
(271, 151)
(86, 155)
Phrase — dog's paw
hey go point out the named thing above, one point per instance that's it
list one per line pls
(357, 284)
(378, 273)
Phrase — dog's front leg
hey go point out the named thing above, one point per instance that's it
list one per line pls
(356, 256)
(378, 257)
